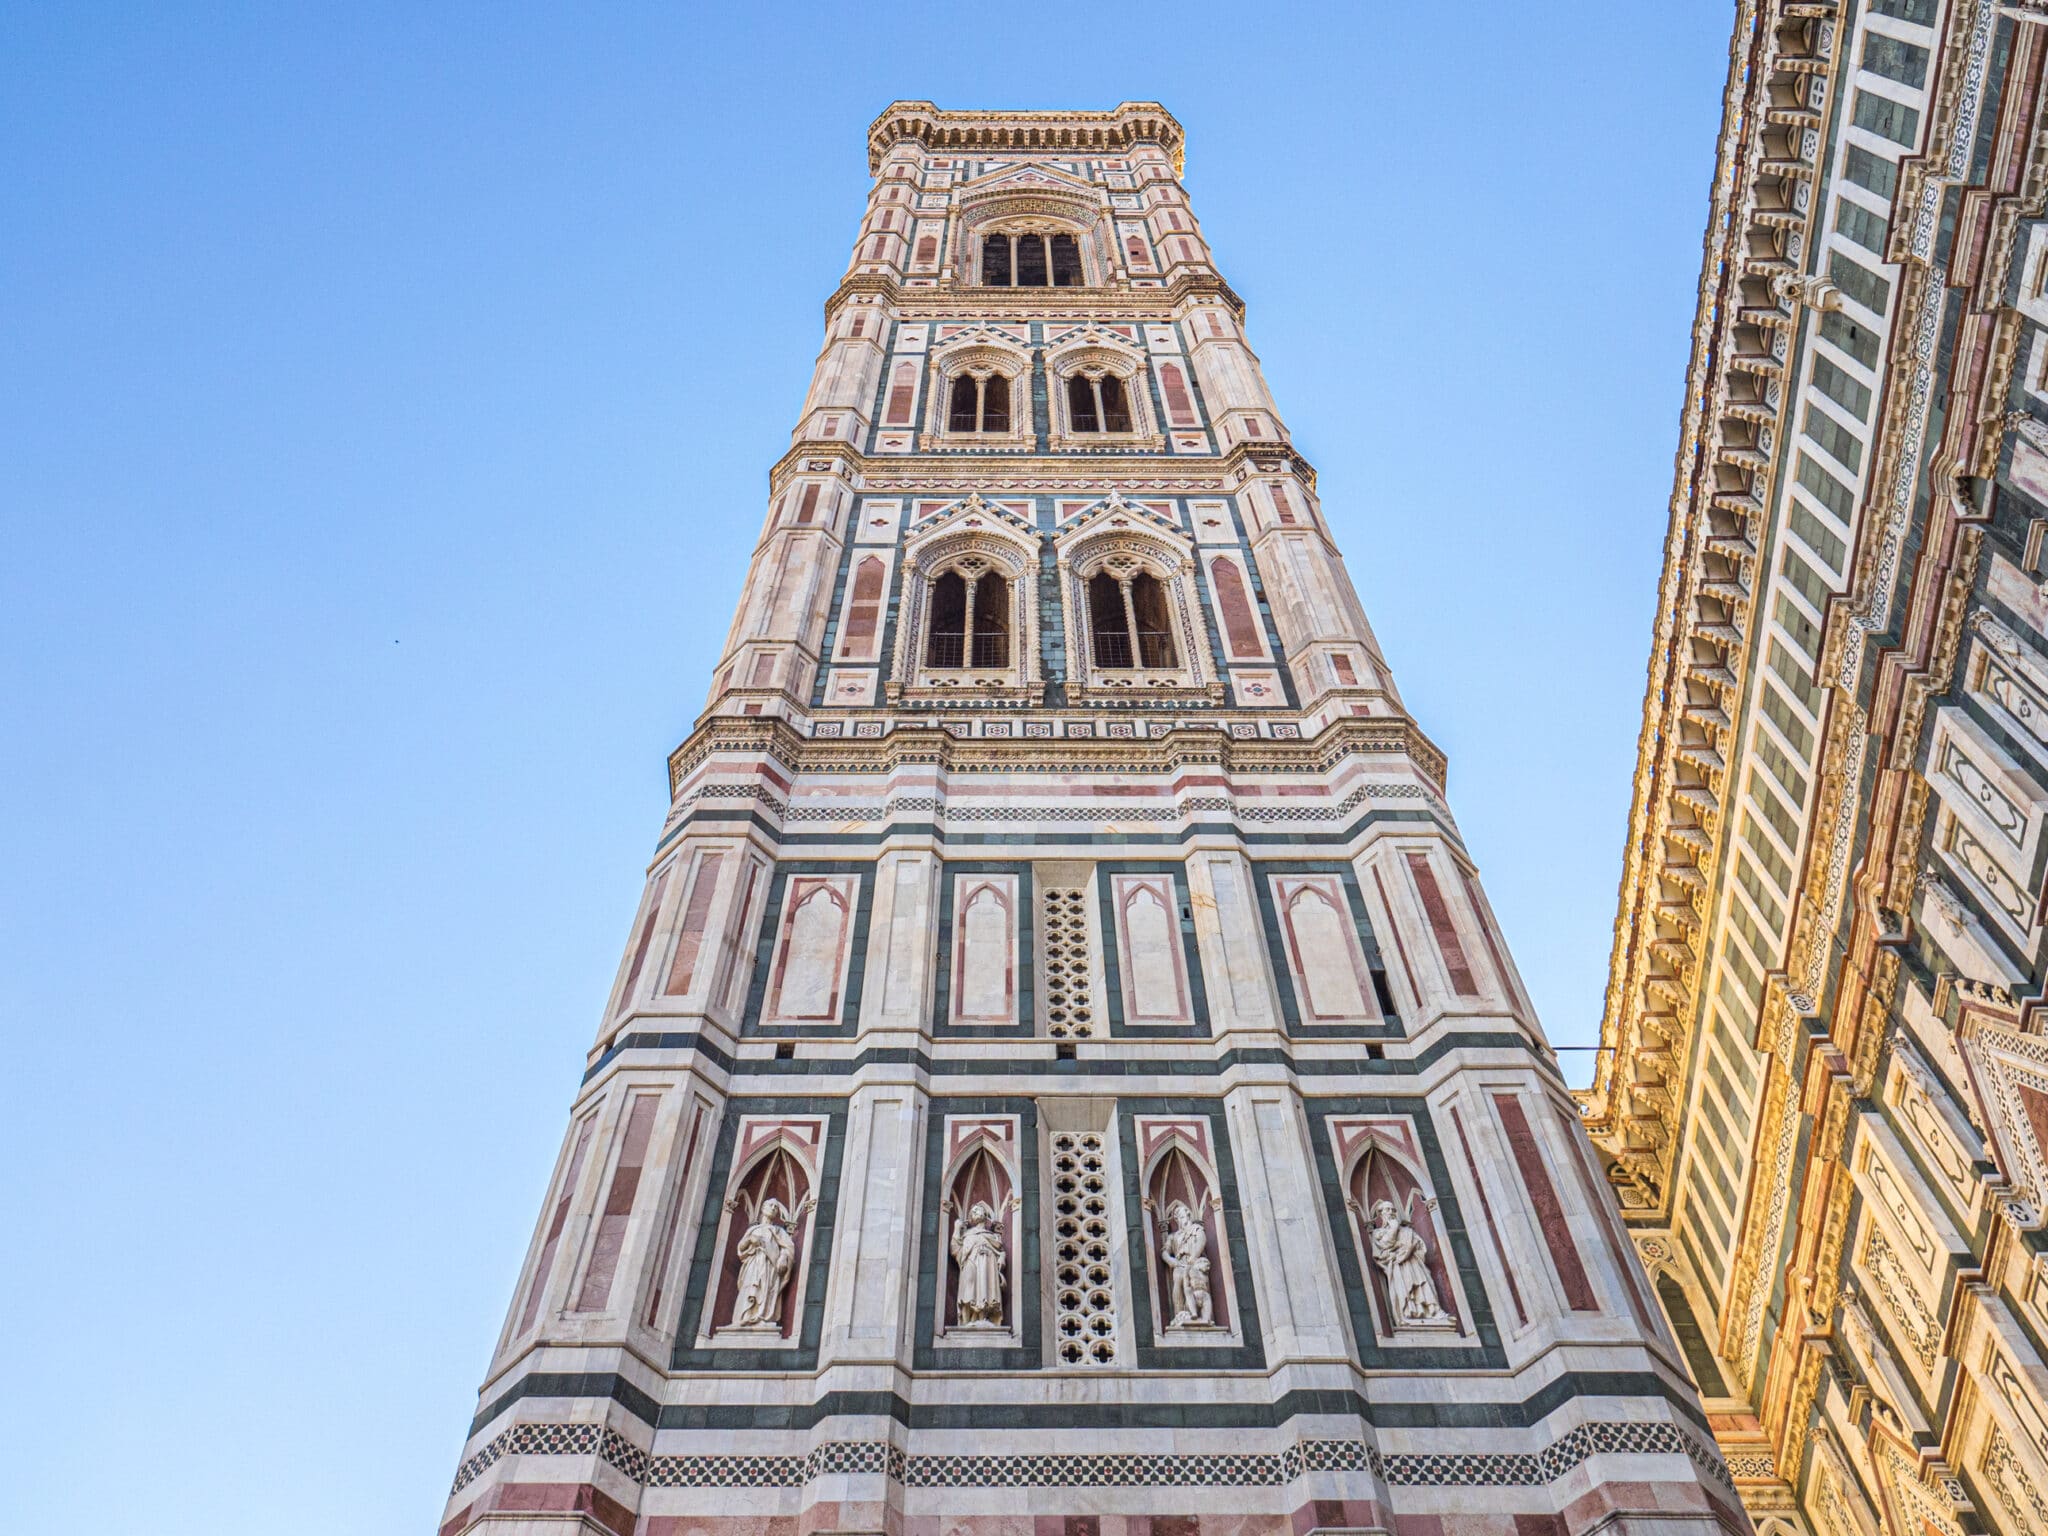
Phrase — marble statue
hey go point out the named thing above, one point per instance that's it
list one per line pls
(1403, 1257)
(767, 1250)
(1187, 1243)
(978, 1250)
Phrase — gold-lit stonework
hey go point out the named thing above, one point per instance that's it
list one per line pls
(1828, 949)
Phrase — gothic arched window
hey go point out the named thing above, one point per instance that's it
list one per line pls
(1128, 624)
(979, 403)
(969, 620)
(1097, 403)
(1030, 261)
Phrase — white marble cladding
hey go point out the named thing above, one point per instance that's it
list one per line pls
(1009, 1025)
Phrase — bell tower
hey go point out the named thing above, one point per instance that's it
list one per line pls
(1064, 1075)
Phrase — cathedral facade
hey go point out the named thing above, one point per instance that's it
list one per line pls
(1825, 1099)
(1064, 1074)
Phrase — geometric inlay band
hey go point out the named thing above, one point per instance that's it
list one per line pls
(1242, 1469)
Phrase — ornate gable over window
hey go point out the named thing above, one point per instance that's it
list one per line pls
(1032, 179)
(980, 392)
(2009, 1071)
(1033, 201)
(968, 623)
(1098, 390)
(1133, 619)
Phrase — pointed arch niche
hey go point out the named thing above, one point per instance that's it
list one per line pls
(774, 1180)
(1684, 1302)
(981, 1170)
(967, 626)
(1182, 1203)
(809, 966)
(1381, 1164)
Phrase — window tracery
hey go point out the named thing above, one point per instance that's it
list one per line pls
(1034, 227)
(978, 402)
(1132, 616)
(1099, 395)
(1128, 625)
(1084, 1286)
(1030, 256)
(1096, 402)
(980, 393)
(968, 627)
(970, 617)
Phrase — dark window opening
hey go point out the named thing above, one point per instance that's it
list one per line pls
(1098, 403)
(991, 622)
(978, 404)
(1081, 404)
(995, 261)
(1106, 622)
(954, 640)
(1116, 409)
(962, 406)
(1127, 622)
(1031, 261)
(1155, 638)
(948, 621)
(1031, 264)
(1066, 262)
(1382, 992)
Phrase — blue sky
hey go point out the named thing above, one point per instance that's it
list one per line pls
(386, 399)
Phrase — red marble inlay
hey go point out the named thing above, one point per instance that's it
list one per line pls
(1550, 1213)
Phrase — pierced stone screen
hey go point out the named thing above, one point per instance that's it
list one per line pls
(1069, 968)
(1084, 1291)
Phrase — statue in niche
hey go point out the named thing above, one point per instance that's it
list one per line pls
(978, 1250)
(1187, 1256)
(1403, 1257)
(767, 1252)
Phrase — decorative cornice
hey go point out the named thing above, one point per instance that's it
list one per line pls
(1073, 133)
(1753, 282)
(1022, 473)
(964, 301)
(1890, 650)
(1200, 744)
